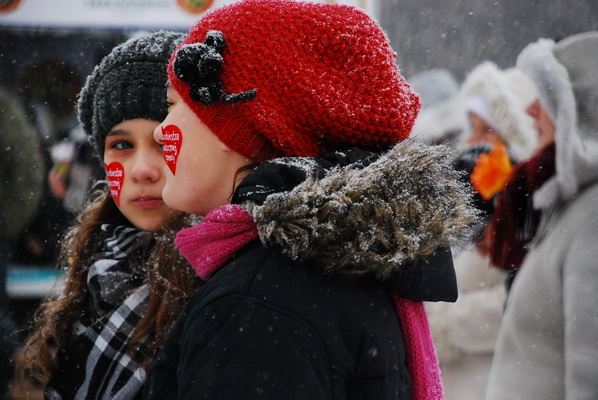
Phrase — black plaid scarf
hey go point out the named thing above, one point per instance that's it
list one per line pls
(118, 300)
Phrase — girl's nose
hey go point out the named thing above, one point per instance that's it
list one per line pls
(147, 167)
(158, 134)
(533, 109)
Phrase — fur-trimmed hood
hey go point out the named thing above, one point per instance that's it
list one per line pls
(355, 212)
(505, 95)
(565, 75)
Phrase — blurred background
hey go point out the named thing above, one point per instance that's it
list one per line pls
(459, 34)
(47, 48)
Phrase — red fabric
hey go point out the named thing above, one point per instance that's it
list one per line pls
(213, 242)
(515, 221)
(325, 78)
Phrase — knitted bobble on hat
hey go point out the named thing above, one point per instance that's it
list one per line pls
(296, 79)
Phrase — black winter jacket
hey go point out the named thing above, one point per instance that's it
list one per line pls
(274, 324)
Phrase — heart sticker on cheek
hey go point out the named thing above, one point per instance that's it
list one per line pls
(116, 175)
(172, 139)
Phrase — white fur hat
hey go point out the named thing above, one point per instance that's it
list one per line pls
(501, 98)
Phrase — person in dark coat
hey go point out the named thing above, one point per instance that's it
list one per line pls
(323, 227)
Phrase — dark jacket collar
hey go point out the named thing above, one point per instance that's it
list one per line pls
(359, 213)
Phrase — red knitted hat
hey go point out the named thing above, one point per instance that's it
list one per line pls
(275, 78)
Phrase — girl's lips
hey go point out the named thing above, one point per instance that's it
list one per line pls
(148, 202)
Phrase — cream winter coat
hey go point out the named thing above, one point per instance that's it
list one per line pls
(465, 332)
(547, 346)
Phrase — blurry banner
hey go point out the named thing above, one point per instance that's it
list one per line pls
(142, 14)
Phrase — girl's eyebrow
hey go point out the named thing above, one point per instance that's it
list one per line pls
(119, 132)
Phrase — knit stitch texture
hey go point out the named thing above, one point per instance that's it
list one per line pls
(129, 83)
(422, 362)
(213, 242)
(328, 82)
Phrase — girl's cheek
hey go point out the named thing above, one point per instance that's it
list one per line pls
(116, 176)
(172, 140)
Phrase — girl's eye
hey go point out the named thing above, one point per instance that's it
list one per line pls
(121, 145)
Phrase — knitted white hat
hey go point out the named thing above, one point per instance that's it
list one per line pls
(504, 97)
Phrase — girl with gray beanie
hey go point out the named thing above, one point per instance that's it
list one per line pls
(126, 283)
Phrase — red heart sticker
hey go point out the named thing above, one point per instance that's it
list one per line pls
(172, 139)
(116, 175)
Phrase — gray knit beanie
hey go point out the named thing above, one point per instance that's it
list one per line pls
(129, 83)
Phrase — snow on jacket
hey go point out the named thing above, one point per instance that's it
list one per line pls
(302, 312)
(547, 344)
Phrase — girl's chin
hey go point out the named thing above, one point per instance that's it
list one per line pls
(153, 219)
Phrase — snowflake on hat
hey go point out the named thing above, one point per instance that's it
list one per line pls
(200, 64)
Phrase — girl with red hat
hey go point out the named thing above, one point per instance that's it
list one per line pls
(322, 227)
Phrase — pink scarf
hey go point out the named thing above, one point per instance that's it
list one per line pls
(210, 244)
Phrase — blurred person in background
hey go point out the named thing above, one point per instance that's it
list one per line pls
(74, 170)
(515, 221)
(22, 178)
(440, 120)
(465, 332)
(547, 342)
(500, 134)
(494, 102)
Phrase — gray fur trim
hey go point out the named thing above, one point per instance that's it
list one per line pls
(357, 221)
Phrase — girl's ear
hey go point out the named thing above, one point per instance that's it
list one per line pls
(225, 149)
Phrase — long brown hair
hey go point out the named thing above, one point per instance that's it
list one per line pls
(170, 278)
